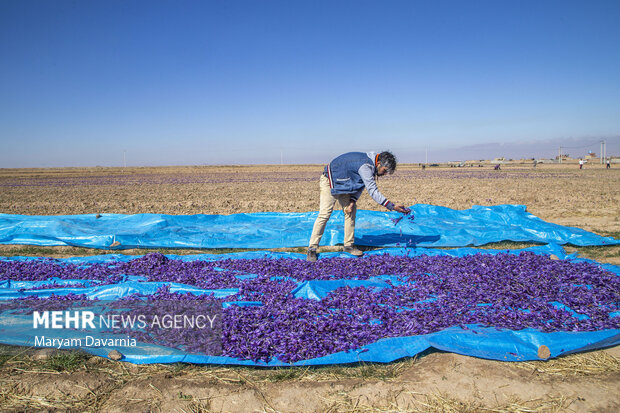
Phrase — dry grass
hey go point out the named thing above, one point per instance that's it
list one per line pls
(583, 364)
(22, 366)
(442, 403)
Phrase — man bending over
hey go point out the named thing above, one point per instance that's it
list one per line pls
(343, 181)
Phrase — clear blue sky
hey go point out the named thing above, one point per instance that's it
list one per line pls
(211, 82)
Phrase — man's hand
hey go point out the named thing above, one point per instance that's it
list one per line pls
(350, 208)
(401, 209)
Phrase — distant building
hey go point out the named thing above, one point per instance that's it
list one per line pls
(590, 155)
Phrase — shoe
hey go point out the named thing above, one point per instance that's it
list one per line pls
(353, 251)
(312, 255)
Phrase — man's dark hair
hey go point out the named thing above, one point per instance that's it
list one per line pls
(388, 160)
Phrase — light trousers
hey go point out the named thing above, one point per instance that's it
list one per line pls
(327, 202)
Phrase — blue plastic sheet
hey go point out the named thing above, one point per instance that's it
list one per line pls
(473, 340)
(108, 291)
(432, 226)
(550, 249)
(319, 289)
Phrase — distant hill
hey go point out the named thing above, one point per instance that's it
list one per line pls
(519, 150)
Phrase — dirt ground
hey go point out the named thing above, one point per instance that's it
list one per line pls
(588, 198)
(434, 381)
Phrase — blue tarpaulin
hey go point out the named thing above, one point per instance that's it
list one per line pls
(484, 342)
(431, 226)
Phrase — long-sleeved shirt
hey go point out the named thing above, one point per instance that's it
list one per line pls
(354, 171)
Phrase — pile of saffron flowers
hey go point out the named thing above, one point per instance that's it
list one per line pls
(411, 296)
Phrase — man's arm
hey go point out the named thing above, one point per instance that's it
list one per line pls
(366, 173)
(368, 177)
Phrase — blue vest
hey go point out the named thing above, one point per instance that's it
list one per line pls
(343, 174)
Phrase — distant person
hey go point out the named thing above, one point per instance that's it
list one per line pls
(580, 163)
(497, 167)
(343, 181)
(608, 163)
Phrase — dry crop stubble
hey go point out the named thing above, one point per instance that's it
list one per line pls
(563, 194)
